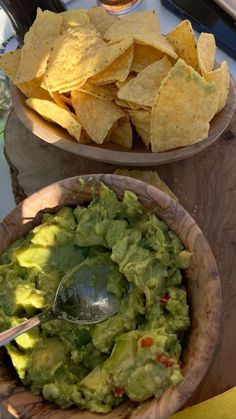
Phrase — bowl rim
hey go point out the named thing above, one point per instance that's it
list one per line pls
(36, 204)
(57, 136)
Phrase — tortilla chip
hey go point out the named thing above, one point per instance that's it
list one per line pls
(143, 88)
(9, 63)
(221, 78)
(142, 121)
(159, 42)
(143, 27)
(96, 116)
(101, 19)
(206, 51)
(59, 100)
(182, 110)
(108, 92)
(68, 56)
(108, 67)
(73, 18)
(78, 55)
(120, 84)
(144, 55)
(130, 105)
(67, 98)
(122, 134)
(117, 71)
(33, 89)
(84, 138)
(130, 25)
(37, 45)
(184, 42)
(54, 113)
(148, 176)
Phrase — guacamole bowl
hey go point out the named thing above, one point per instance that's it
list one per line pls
(201, 280)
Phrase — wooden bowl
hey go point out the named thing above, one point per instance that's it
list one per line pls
(111, 153)
(203, 286)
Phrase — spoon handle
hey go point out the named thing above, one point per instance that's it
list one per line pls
(8, 335)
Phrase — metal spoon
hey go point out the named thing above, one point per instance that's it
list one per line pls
(81, 298)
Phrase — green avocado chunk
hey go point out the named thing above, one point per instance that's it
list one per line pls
(134, 354)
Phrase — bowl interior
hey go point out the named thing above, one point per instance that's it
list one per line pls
(203, 287)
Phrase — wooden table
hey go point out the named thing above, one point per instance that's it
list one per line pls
(205, 185)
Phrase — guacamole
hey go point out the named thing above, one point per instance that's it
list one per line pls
(136, 353)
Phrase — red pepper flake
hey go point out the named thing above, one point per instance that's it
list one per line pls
(146, 342)
(165, 298)
(118, 390)
(181, 364)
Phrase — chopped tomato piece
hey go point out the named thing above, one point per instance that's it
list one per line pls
(165, 298)
(146, 342)
(168, 362)
(118, 390)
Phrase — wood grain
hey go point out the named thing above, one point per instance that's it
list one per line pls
(108, 152)
(206, 187)
(203, 285)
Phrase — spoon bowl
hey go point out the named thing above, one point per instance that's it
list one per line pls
(81, 297)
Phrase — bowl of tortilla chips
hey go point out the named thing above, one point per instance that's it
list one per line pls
(117, 90)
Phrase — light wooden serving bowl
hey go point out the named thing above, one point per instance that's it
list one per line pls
(114, 154)
(203, 286)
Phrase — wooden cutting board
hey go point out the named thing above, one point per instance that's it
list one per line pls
(205, 185)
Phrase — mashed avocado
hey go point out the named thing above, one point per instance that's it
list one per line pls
(134, 354)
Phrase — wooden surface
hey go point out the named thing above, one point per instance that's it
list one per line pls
(111, 153)
(203, 286)
(205, 185)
